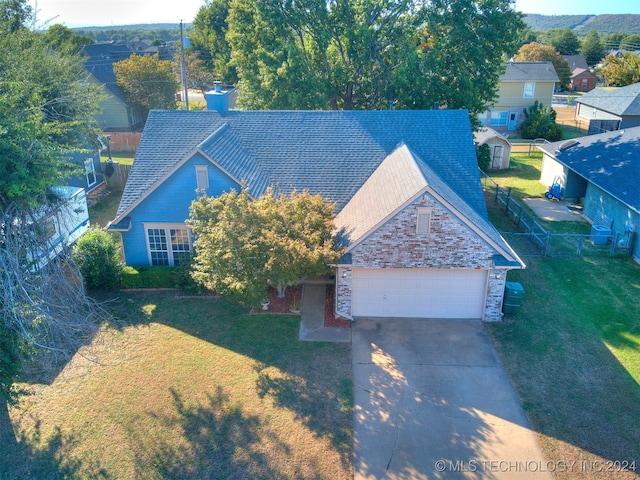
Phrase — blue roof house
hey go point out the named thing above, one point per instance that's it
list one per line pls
(603, 171)
(406, 184)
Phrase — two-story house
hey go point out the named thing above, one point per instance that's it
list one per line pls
(521, 85)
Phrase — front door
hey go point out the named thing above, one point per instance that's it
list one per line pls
(513, 120)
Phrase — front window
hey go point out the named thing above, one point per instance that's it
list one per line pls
(168, 246)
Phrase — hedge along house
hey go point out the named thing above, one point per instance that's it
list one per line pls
(603, 173)
(411, 210)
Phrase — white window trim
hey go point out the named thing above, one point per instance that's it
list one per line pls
(166, 227)
(202, 177)
(532, 88)
(89, 168)
(499, 118)
(423, 221)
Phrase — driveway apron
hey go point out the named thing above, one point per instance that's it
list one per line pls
(432, 400)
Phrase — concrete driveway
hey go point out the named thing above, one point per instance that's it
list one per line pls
(432, 400)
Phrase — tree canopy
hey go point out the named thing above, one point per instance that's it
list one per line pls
(209, 43)
(369, 54)
(536, 52)
(46, 111)
(592, 49)
(621, 71)
(563, 41)
(147, 82)
(245, 245)
(64, 39)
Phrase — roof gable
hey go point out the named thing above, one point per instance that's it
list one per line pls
(609, 160)
(619, 101)
(399, 180)
(331, 153)
(529, 72)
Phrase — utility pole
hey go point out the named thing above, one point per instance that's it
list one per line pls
(183, 69)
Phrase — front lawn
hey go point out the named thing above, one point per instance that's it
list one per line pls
(189, 388)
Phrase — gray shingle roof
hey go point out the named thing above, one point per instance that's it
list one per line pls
(485, 134)
(609, 160)
(619, 101)
(576, 61)
(331, 153)
(99, 60)
(398, 180)
(529, 72)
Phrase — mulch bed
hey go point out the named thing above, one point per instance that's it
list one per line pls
(283, 305)
(330, 320)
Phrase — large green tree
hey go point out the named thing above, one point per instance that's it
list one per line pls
(370, 54)
(621, 71)
(563, 41)
(536, 52)
(244, 245)
(592, 49)
(209, 42)
(148, 82)
(64, 39)
(46, 112)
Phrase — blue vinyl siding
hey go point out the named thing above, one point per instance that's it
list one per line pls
(597, 200)
(170, 203)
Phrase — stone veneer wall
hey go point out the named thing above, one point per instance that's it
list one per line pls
(450, 244)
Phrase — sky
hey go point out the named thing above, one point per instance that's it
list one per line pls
(83, 13)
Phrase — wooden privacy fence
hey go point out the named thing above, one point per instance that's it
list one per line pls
(534, 240)
(115, 174)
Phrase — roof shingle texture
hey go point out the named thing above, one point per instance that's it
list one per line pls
(609, 160)
(331, 153)
(619, 101)
(529, 72)
(99, 60)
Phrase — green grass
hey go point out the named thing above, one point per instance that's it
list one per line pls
(124, 158)
(105, 210)
(188, 388)
(573, 354)
(573, 349)
(523, 175)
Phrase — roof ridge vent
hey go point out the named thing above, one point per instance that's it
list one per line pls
(565, 145)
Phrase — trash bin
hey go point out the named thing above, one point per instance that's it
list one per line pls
(513, 294)
(600, 235)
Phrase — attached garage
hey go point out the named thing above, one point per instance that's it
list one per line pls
(418, 293)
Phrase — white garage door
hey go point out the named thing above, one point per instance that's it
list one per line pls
(419, 293)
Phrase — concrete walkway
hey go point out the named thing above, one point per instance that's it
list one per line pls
(312, 317)
(433, 401)
(553, 210)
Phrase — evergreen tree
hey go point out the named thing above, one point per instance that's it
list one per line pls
(592, 49)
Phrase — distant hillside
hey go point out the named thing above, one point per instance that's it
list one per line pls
(581, 24)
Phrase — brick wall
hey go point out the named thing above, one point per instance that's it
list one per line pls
(449, 244)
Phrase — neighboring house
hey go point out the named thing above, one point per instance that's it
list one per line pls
(521, 85)
(90, 176)
(117, 114)
(602, 172)
(410, 205)
(499, 145)
(583, 80)
(610, 108)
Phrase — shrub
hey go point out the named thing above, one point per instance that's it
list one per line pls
(98, 257)
(540, 122)
(483, 153)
